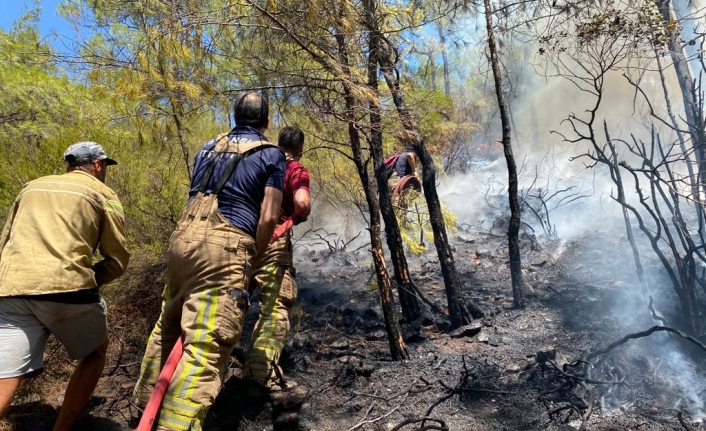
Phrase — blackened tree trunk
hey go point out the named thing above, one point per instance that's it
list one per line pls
(405, 285)
(513, 231)
(398, 350)
(458, 313)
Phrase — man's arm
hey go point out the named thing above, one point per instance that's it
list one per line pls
(113, 244)
(302, 205)
(412, 163)
(269, 214)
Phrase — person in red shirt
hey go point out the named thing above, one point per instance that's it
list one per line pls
(274, 274)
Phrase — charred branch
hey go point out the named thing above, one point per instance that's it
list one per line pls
(642, 334)
(654, 313)
(682, 421)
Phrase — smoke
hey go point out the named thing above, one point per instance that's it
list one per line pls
(327, 227)
(549, 161)
(685, 380)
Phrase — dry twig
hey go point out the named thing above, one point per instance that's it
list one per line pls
(371, 421)
(441, 427)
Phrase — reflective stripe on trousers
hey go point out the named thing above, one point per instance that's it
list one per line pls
(273, 277)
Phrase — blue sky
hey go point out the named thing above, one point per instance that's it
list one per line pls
(49, 21)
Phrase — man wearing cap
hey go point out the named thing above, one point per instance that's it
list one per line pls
(234, 202)
(48, 281)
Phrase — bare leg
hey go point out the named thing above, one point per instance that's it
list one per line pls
(81, 385)
(8, 387)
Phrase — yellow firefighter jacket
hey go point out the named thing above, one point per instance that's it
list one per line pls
(52, 232)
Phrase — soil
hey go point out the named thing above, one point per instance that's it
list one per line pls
(509, 371)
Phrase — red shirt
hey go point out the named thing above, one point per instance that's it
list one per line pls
(296, 177)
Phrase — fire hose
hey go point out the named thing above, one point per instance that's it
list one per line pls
(165, 376)
(160, 388)
(407, 182)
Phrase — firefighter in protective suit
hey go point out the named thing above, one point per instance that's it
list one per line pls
(234, 203)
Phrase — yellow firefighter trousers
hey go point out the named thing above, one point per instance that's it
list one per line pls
(206, 298)
(273, 277)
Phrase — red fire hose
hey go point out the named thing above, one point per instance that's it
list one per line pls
(283, 228)
(407, 182)
(165, 376)
(160, 388)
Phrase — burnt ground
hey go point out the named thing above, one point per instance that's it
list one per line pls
(498, 375)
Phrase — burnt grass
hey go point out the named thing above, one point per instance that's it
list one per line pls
(498, 374)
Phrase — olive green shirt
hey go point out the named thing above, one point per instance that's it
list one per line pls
(52, 232)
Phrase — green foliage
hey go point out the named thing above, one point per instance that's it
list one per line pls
(372, 285)
(639, 28)
(157, 64)
(297, 316)
(41, 113)
(644, 21)
(413, 220)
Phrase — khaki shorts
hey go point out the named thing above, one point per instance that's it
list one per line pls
(25, 325)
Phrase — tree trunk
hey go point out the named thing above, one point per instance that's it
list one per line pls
(180, 134)
(683, 11)
(398, 350)
(513, 231)
(405, 285)
(686, 84)
(458, 313)
(432, 65)
(182, 142)
(175, 114)
(445, 60)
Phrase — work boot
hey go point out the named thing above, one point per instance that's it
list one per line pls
(252, 389)
(287, 401)
(289, 397)
(286, 421)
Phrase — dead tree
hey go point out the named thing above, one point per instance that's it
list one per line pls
(540, 200)
(513, 230)
(663, 205)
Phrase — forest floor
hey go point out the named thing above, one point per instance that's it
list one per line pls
(507, 372)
